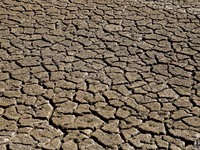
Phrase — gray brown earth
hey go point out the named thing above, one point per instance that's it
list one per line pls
(99, 74)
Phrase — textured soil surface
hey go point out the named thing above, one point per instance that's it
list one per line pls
(99, 75)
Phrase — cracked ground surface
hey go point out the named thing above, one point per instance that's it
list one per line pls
(99, 74)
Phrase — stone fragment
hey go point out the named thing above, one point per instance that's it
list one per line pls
(168, 107)
(3, 86)
(29, 61)
(197, 87)
(131, 103)
(41, 43)
(144, 45)
(183, 91)
(139, 98)
(183, 102)
(17, 71)
(4, 76)
(7, 101)
(19, 146)
(136, 84)
(174, 147)
(180, 114)
(197, 76)
(116, 103)
(37, 69)
(51, 68)
(133, 121)
(127, 146)
(185, 134)
(60, 98)
(192, 121)
(25, 130)
(156, 116)
(24, 139)
(23, 109)
(122, 114)
(105, 111)
(110, 69)
(153, 127)
(111, 94)
(22, 76)
(98, 98)
(87, 131)
(112, 126)
(122, 89)
(196, 30)
(7, 125)
(129, 133)
(14, 83)
(150, 146)
(49, 94)
(144, 138)
(186, 82)
(47, 131)
(1, 111)
(81, 85)
(101, 76)
(11, 113)
(162, 144)
(84, 97)
(83, 109)
(66, 94)
(190, 147)
(63, 121)
(179, 71)
(86, 54)
(88, 144)
(85, 42)
(44, 111)
(41, 75)
(168, 93)
(54, 144)
(143, 111)
(58, 47)
(86, 121)
(155, 37)
(107, 139)
(65, 85)
(196, 100)
(117, 78)
(175, 141)
(81, 24)
(57, 76)
(33, 89)
(97, 87)
(177, 125)
(132, 76)
(136, 143)
(154, 87)
(69, 145)
(155, 106)
(25, 120)
(12, 94)
(161, 69)
(113, 28)
(75, 135)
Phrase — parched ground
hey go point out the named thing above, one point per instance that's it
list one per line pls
(99, 75)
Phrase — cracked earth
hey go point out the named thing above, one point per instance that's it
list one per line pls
(99, 75)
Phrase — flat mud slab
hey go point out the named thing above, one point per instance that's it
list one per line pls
(99, 75)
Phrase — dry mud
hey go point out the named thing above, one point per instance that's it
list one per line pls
(99, 75)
